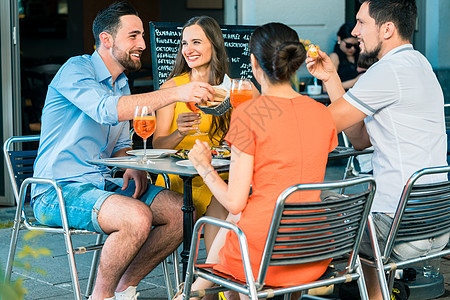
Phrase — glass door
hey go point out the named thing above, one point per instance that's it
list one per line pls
(10, 107)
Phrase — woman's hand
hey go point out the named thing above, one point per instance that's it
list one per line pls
(200, 156)
(187, 121)
(321, 67)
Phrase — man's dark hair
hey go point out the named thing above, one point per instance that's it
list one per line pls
(402, 13)
(108, 19)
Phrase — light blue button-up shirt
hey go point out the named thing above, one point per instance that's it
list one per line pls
(80, 122)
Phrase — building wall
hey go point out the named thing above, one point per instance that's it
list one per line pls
(444, 34)
(177, 11)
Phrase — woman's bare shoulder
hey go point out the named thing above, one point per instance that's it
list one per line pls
(334, 58)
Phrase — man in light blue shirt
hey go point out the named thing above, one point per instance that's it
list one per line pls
(86, 116)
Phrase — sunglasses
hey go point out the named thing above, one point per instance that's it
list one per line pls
(350, 45)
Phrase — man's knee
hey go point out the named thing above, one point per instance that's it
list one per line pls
(166, 208)
(125, 213)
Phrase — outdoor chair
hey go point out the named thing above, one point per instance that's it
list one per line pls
(312, 231)
(423, 212)
(20, 163)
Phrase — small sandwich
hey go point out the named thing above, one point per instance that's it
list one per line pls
(313, 51)
(219, 96)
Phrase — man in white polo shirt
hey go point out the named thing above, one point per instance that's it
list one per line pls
(405, 102)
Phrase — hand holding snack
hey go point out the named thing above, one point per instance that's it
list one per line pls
(194, 92)
(220, 101)
(321, 67)
(219, 96)
(313, 51)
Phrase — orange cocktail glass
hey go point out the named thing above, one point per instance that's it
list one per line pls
(241, 91)
(144, 124)
(191, 106)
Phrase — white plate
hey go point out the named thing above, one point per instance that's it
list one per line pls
(214, 163)
(152, 152)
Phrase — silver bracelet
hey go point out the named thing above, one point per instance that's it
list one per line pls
(206, 174)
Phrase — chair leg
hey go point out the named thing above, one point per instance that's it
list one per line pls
(391, 276)
(94, 266)
(361, 282)
(13, 244)
(72, 265)
(166, 274)
(176, 268)
(378, 260)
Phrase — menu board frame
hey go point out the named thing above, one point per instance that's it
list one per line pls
(164, 43)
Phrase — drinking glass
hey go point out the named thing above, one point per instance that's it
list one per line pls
(195, 109)
(431, 267)
(241, 91)
(144, 124)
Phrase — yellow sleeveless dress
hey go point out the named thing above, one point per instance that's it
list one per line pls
(201, 195)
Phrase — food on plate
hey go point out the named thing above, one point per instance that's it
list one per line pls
(182, 153)
(313, 51)
(215, 153)
(220, 152)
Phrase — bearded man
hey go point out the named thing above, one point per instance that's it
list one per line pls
(86, 116)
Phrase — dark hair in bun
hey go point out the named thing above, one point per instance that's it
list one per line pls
(278, 51)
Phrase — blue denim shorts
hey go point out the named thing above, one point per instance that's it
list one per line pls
(83, 202)
(402, 250)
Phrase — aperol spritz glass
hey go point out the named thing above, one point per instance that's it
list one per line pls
(191, 106)
(241, 91)
(144, 124)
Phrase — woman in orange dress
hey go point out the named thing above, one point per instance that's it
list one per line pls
(277, 140)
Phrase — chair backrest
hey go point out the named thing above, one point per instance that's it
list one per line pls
(314, 231)
(19, 161)
(423, 211)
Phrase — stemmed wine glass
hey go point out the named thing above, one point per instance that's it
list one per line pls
(241, 91)
(191, 106)
(144, 124)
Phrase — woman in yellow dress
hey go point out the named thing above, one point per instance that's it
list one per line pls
(201, 57)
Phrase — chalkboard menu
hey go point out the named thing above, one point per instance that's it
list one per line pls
(165, 39)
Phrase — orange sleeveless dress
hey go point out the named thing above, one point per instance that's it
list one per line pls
(290, 140)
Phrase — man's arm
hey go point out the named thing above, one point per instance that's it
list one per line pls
(191, 92)
(346, 117)
(350, 120)
(121, 152)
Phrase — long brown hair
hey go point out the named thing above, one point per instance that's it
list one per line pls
(218, 68)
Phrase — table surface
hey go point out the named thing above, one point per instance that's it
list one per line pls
(168, 164)
(345, 152)
(323, 98)
(158, 166)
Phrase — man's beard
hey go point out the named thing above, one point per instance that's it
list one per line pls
(125, 60)
(371, 54)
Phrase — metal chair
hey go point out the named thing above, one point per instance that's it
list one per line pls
(423, 212)
(316, 231)
(20, 168)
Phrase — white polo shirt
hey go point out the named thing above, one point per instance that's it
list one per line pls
(407, 128)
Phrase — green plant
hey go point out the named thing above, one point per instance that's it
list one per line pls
(15, 290)
(6, 224)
